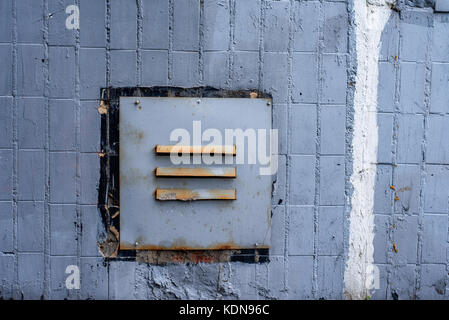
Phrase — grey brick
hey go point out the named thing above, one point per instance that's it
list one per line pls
(246, 70)
(216, 25)
(6, 166)
(300, 236)
(412, 38)
(5, 21)
(333, 129)
(62, 72)
(90, 127)
(405, 235)
(306, 25)
(280, 123)
(155, 24)
(154, 68)
(330, 230)
(383, 194)
(381, 292)
(31, 122)
(30, 226)
(31, 175)
(216, 68)
(6, 72)
(5, 122)
(94, 279)
(332, 180)
(63, 229)
(433, 282)
(276, 271)
(6, 228)
(334, 79)
(386, 87)
(335, 27)
(276, 25)
(304, 77)
(440, 41)
(300, 277)
(303, 129)
(385, 137)
(389, 39)
(58, 289)
(277, 231)
(408, 187)
(413, 76)
(92, 23)
(244, 278)
(31, 275)
(435, 238)
(91, 222)
(123, 68)
(30, 73)
(123, 25)
(58, 34)
(186, 25)
(275, 69)
(440, 88)
(92, 72)
(247, 29)
(62, 177)
(437, 137)
(185, 69)
(280, 185)
(402, 282)
(62, 125)
(7, 279)
(381, 238)
(121, 279)
(90, 175)
(29, 13)
(410, 134)
(302, 180)
(330, 282)
(436, 189)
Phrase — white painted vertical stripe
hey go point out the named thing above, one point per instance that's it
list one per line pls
(370, 19)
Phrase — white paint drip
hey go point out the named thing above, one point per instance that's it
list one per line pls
(370, 19)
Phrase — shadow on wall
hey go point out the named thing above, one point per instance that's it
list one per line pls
(412, 180)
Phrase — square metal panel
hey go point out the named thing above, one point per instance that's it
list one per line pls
(151, 224)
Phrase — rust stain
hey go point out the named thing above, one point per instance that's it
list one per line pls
(392, 188)
(196, 172)
(195, 194)
(395, 248)
(196, 149)
(396, 198)
(181, 245)
(103, 108)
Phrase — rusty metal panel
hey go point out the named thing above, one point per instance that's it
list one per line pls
(147, 223)
(195, 194)
(202, 172)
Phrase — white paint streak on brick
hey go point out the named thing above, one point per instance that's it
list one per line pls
(370, 19)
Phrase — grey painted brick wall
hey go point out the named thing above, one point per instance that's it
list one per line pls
(302, 52)
(412, 111)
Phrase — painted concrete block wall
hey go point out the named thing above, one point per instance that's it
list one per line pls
(299, 51)
(411, 240)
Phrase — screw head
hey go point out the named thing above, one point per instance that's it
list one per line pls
(137, 102)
